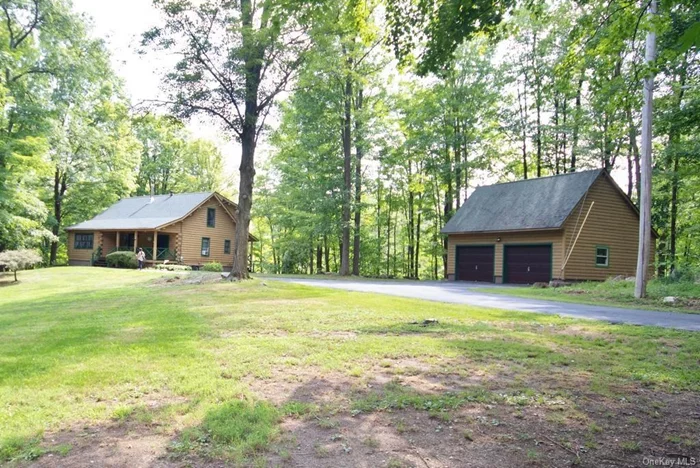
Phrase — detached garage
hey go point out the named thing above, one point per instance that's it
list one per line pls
(576, 226)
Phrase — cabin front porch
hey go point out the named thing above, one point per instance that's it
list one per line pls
(158, 246)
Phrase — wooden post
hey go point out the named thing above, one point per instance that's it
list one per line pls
(118, 236)
(644, 249)
(136, 241)
(155, 246)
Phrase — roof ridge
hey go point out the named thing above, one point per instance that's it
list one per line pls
(539, 178)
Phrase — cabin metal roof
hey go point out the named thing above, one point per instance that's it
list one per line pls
(144, 212)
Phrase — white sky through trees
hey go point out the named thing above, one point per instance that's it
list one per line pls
(120, 24)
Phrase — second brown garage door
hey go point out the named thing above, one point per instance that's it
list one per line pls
(475, 263)
(527, 264)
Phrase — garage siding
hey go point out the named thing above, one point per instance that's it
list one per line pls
(612, 223)
(539, 237)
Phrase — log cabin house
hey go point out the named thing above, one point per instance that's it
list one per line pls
(569, 227)
(188, 228)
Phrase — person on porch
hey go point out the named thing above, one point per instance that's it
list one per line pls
(141, 257)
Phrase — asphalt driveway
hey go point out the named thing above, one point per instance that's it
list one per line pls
(463, 293)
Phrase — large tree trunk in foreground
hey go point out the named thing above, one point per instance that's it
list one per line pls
(253, 66)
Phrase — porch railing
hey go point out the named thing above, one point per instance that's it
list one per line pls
(161, 254)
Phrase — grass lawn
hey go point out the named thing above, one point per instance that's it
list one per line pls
(616, 293)
(143, 368)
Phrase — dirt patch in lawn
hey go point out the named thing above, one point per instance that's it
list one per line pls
(583, 430)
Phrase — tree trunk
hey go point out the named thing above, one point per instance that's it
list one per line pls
(347, 174)
(59, 190)
(577, 123)
(253, 58)
(319, 258)
(644, 248)
(522, 105)
(674, 140)
(632, 135)
(388, 232)
(447, 210)
(358, 186)
(538, 104)
(326, 253)
(417, 251)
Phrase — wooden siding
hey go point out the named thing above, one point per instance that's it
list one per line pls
(193, 228)
(81, 256)
(507, 238)
(612, 223)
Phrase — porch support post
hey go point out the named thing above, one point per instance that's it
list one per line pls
(118, 236)
(136, 241)
(155, 246)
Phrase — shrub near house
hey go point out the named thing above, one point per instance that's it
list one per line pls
(122, 260)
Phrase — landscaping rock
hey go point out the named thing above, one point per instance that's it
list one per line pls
(631, 279)
(558, 284)
(540, 285)
(669, 300)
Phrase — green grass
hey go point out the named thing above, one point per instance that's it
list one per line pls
(614, 293)
(89, 347)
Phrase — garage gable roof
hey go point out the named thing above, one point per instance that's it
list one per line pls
(542, 203)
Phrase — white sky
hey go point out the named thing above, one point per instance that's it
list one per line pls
(120, 23)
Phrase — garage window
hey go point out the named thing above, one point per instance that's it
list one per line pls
(602, 256)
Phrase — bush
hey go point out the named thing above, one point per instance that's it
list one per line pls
(122, 260)
(213, 266)
(16, 260)
(173, 267)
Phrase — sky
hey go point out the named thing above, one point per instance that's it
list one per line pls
(120, 24)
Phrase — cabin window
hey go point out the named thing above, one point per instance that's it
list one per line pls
(602, 256)
(83, 241)
(206, 242)
(227, 247)
(211, 217)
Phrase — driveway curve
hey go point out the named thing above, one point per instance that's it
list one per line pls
(463, 293)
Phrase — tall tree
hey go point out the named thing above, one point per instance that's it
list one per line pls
(235, 59)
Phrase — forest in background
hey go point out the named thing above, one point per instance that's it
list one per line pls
(71, 143)
(382, 131)
(555, 88)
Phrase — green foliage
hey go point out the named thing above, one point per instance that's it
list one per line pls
(439, 27)
(213, 266)
(122, 260)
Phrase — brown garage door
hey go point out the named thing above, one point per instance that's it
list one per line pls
(527, 264)
(475, 263)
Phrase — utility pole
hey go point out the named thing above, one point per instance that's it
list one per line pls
(644, 250)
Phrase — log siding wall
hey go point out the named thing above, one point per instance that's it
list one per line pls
(193, 228)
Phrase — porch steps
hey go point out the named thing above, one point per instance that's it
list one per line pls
(100, 262)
